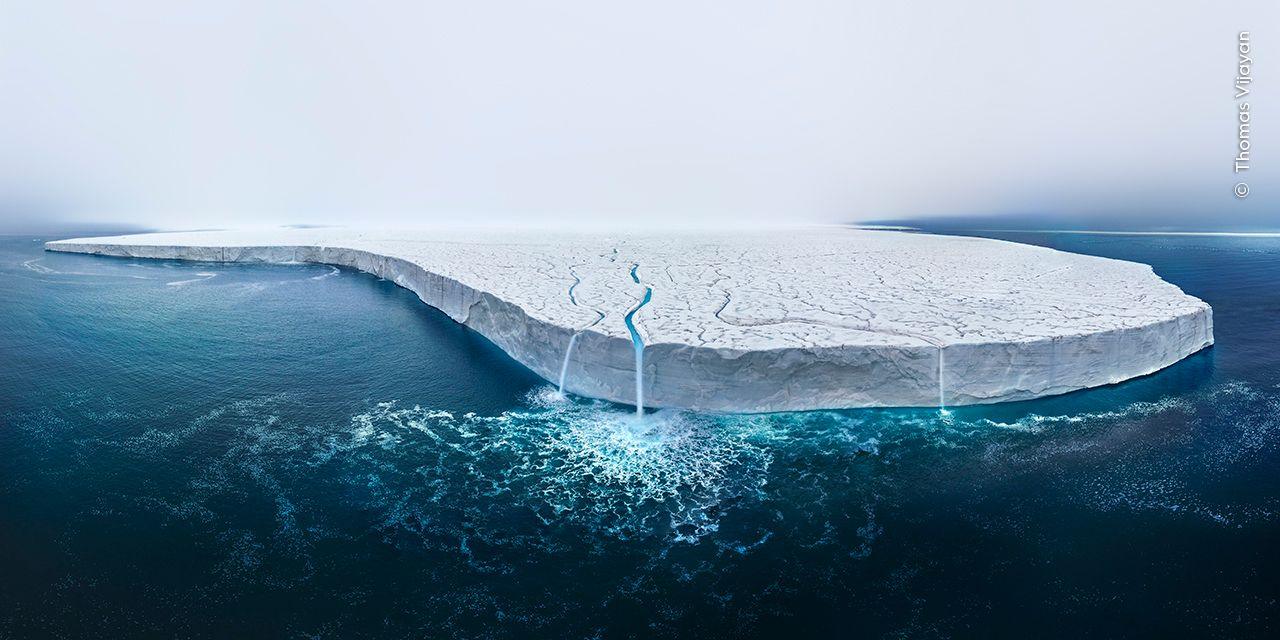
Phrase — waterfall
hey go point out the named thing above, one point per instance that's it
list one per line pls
(568, 352)
(564, 368)
(640, 381)
(637, 341)
(942, 400)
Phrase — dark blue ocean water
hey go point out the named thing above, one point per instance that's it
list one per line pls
(214, 450)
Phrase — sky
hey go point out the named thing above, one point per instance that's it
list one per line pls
(594, 113)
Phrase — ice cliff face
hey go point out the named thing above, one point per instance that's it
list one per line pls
(773, 320)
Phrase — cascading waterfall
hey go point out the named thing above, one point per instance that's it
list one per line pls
(568, 352)
(942, 400)
(637, 341)
(564, 368)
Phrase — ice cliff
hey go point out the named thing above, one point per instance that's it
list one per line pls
(777, 320)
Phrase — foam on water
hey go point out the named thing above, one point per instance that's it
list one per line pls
(585, 462)
(675, 475)
(560, 476)
(333, 271)
(1035, 423)
(202, 276)
(100, 270)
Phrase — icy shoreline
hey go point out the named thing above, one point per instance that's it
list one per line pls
(761, 321)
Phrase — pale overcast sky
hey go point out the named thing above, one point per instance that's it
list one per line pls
(182, 115)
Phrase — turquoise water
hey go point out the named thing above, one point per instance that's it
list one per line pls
(220, 450)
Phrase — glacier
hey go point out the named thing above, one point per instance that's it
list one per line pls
(783, 319)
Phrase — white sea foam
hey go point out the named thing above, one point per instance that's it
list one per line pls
(203, 275)
(38, 268)
(460, 479)
(1035, 423)
(333, 271)
(34, 265)
(586, 462)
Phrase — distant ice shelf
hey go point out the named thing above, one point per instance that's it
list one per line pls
(771, 320)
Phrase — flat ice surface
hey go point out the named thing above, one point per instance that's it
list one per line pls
(780, 319)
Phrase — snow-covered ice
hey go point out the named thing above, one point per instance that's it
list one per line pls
(769, 320)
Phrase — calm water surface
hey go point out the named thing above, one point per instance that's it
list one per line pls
(216, 450)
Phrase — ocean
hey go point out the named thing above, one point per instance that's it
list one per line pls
(221, 450)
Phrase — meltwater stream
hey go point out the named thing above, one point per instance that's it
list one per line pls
(637, 341)
(573, 339)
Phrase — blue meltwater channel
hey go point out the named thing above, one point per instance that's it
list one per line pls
(637, 341)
